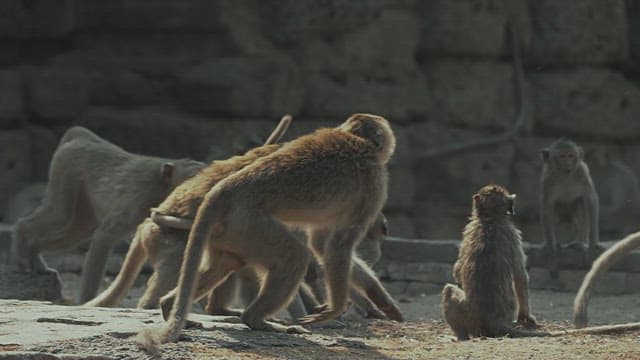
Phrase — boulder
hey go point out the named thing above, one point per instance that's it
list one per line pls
(57, 95)
(586, 101)
(12, 107)
(15, 164)
(37, 18)
(579, 32)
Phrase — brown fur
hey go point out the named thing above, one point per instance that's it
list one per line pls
(332, 183)
(600, 265)
(567, 192)
(96, 191)
(491, 271)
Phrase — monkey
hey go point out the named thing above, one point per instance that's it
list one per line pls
(491, 271)
(618, 191)
(568, 193)
(246, 280)
(599, 266)
(77, 204)
(96, 191)
(331, 183)
(163, 246)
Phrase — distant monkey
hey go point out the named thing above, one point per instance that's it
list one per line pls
(567, 193)
(96, 191)
(491, 271)
(332, 183)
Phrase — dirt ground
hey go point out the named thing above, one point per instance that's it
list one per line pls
(423, 336)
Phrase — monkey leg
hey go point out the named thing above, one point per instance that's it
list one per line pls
(95, 263)
(365, 307)
(454, 310)
(368, 284)
(285, 271)
(163, 280)
(219, 298)
(221, 265)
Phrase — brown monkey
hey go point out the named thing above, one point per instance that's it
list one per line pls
(491, 270)
(600, 265)
(164, 245)
(567, 193)
(246, 280)
(332, 183)
(96, 191)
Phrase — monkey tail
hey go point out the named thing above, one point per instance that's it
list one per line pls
(279, 131)
(600, 265)
(169, 221)
(205, 224)
(122, 283)
(518, 333)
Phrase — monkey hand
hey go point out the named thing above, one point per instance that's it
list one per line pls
(324, 315)
(527, 321)
(392, 312)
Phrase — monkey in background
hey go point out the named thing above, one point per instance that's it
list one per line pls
(491, 271)
(96, 191)
(567, 193)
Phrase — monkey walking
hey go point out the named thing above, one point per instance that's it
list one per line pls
(600, 265)
(85, 173)
(567, 192)
(163, 245)
(332, 183)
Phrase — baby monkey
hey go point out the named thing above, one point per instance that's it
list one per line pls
(491, 270)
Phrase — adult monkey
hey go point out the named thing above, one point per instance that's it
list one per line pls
(86, 171)
(600, 265)
(332, 183)
(567, 192)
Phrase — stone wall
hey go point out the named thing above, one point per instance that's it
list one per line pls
(208, 78)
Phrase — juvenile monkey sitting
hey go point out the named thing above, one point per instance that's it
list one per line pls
(491, 270)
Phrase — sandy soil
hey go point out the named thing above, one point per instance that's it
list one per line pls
(423, 336)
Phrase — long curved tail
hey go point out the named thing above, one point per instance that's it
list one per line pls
(600, 265)
(131, 267)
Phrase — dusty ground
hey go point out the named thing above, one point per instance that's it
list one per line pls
(423, 336)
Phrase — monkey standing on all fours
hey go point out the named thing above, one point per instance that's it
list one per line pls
(331, 183)
(491, 270)
(567, 193)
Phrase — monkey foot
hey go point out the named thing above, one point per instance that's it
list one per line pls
(325, 315)
(271, 326)
(527, 321)
(596, 248)
(393, 313)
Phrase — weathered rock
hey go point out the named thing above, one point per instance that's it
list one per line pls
(6, 231)
(470, 27)
(12, 107)
(360, 52)
(29, 286)
(579, 32)
(400, 225)
(396, 249)
(472, 93)
(295, 21)
(57, 95)
(399, 98)
(15, 164)
(401, 189)
(24, 201)
(417, 288)
(242, 87)
(42, 144)
(140, 14)
(38, 18)
(587, 101)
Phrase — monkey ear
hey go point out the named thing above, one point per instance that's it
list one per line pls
(580, 152)
(166, 171)
(545, 153)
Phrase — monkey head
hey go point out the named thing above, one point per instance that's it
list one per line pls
(493, 200)
(563, 156)
(374, 129)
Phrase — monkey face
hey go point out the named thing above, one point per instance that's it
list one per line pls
(565, 160)
(494, 200)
